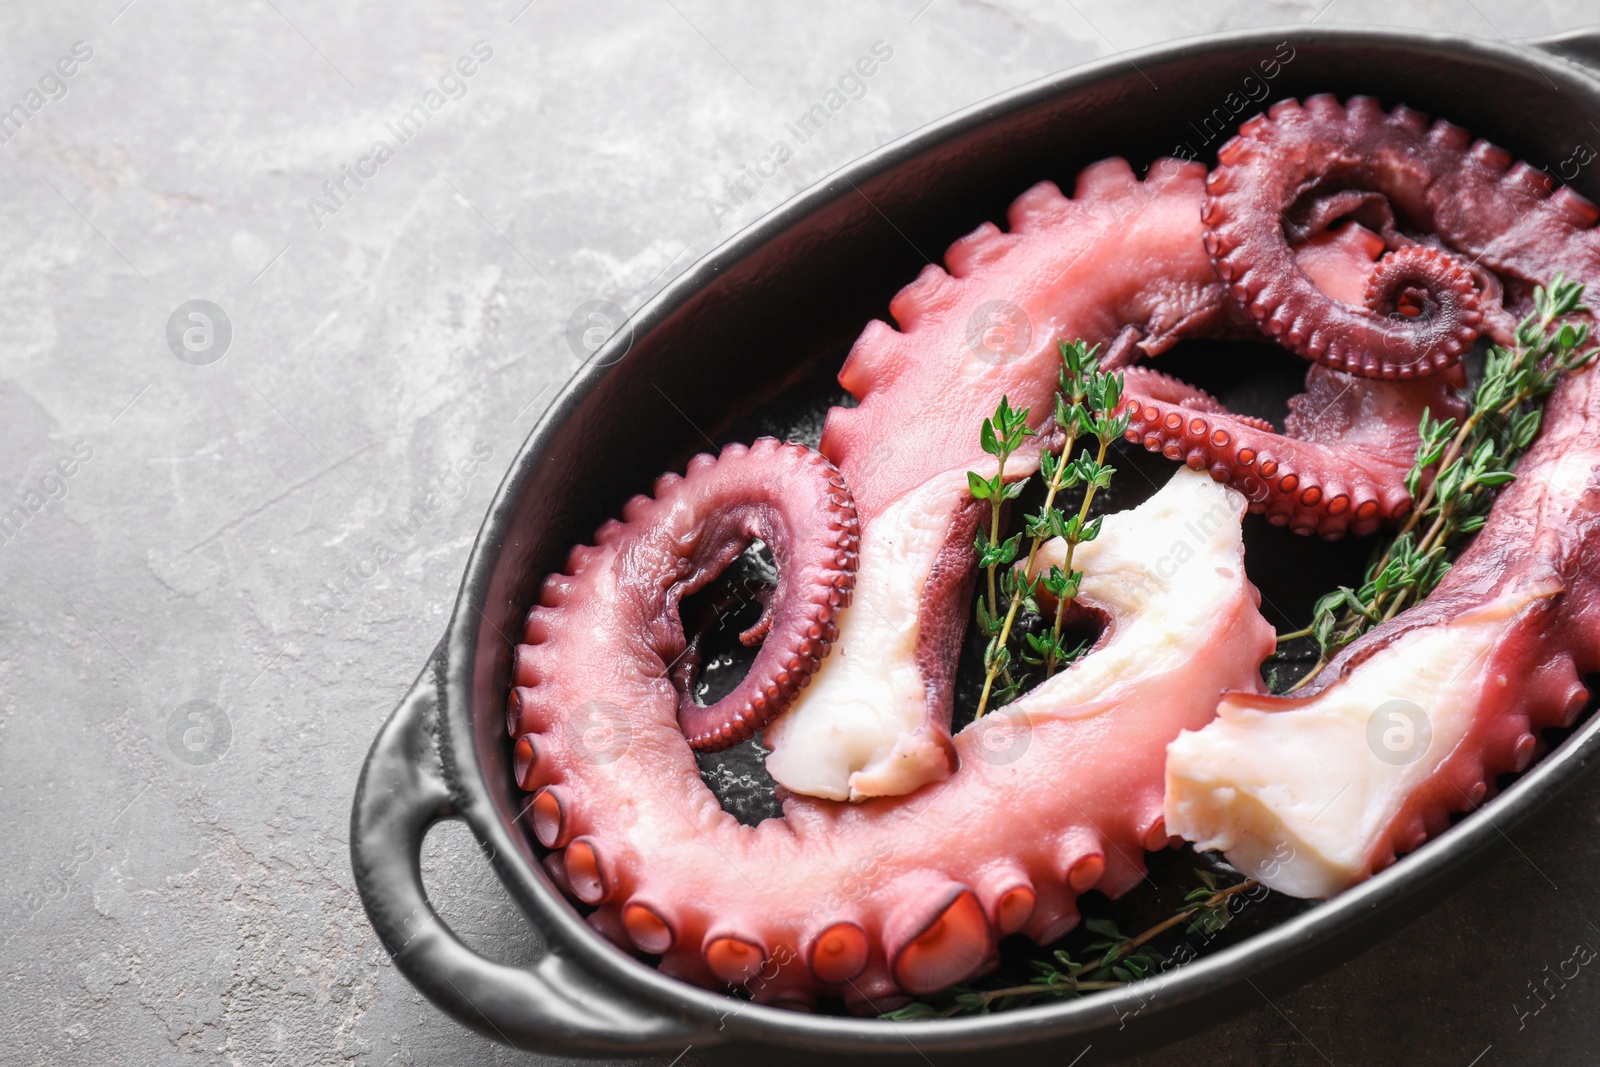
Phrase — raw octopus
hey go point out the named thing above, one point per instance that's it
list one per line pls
(1372, 243)
(1314, 792)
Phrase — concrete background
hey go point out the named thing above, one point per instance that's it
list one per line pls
(185, 699)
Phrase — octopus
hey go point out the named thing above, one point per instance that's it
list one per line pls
(1374, 244)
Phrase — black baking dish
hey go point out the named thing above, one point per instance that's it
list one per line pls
(753, 318)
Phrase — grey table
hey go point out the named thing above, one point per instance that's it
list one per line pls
(240, 532)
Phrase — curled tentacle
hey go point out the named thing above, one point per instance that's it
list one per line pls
(870, 901)
(784, 495)
(1415, 720)
(1298, 151)
(1061, 791)
(1338, 467)
(1423, 284)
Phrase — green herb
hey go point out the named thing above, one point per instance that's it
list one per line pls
(1000, 437)
(1114, 960)
(1086, 403)
(1470, 461)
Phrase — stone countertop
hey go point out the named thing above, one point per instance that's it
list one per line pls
(269, 508)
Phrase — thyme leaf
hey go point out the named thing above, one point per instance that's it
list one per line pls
(1086, 403)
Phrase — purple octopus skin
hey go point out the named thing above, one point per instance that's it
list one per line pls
(1295, 152)
(1286, 210)
(787, 496)
(1497, 651)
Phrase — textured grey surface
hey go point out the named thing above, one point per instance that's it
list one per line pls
(279, 534)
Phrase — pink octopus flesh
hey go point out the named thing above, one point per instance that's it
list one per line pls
(1375, 245)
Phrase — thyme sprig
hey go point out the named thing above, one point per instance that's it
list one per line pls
(1000, 437)
(1470, 463)
(1114, 961)
(1086, 403)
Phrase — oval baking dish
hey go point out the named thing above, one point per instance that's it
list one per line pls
(756, 316)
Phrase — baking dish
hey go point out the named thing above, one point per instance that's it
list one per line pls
(765, 311)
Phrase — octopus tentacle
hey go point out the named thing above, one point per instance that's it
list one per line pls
(1339, 465)
(864, 889)
(1406, 284)
(1416, 719)
(1337, 468)
(785, 495)
(877, 719)
(1323, 145)
(869, 901)
(1287, 480)
(1413, 721)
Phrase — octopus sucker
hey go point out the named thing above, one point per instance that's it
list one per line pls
(1288, 158)
(874, 885)
(839, 953)
(647, 930)
(953, 943)
(879, 723)
(1376, 246)
(1294, 476)
(787, 497)
(1573, 208)
(1416, 719)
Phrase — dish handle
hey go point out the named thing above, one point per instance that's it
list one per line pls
(554, 1004)
(1578, 47)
